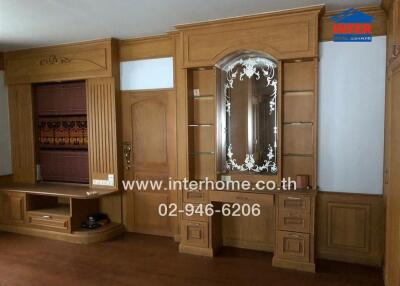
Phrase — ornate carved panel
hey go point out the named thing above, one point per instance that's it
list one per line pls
(284, 35)
(66, 62)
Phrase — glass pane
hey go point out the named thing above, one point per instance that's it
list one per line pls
(250, 89)
(147, 74)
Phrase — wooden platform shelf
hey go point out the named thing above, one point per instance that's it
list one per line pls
(54, 211)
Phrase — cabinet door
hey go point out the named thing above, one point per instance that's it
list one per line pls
(12, 208)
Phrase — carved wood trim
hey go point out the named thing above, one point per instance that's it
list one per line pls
(58, 63)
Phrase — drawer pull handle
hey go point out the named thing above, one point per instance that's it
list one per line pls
(46, 217)
(294, 198)
(294, 235)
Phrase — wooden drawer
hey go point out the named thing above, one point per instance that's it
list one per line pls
(294, 221)
(196, 197)
(195, 233)
(294, 203)
(242, 198)
(195, 216)
(49, 222)
(293, 246)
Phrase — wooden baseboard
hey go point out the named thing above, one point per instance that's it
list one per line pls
(78, 237)
(208, 252)
(301, 266)
(248, 245)
(350, 228)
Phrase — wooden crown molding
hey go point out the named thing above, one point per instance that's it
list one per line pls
(314, 8)
(63, 62)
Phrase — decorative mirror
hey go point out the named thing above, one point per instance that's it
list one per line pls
(249, 116)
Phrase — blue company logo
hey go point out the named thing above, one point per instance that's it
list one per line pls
(352, 25)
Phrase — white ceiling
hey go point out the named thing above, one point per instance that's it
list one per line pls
(33, 23)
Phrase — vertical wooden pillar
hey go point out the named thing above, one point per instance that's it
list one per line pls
(22, 133)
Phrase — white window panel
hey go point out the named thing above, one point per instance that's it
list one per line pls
(147, 74)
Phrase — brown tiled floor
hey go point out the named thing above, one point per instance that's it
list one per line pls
(147, 260)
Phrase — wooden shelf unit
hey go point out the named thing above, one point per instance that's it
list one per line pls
(76, 82)
(201, 84)
(299, 108)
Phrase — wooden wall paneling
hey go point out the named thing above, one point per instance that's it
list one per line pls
(392, 153)
(378, 26)
(350, 227)
(313, 180)
(182, 110)
(294, 32)
(392, 182)
(1, 61)
(102, 133)
(102, 102)
(22, 133)
(64, 62)
(147, 48)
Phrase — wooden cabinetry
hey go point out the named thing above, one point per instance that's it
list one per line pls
(197, 236)
(294, 245)
(12, 208)
(195, 233)
(96, 96)
(54, 211)
(65, 85)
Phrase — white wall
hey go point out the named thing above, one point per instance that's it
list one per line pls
(5, 147)
(147, 74)
(351, 116)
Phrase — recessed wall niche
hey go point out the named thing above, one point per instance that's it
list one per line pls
(62, 137)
